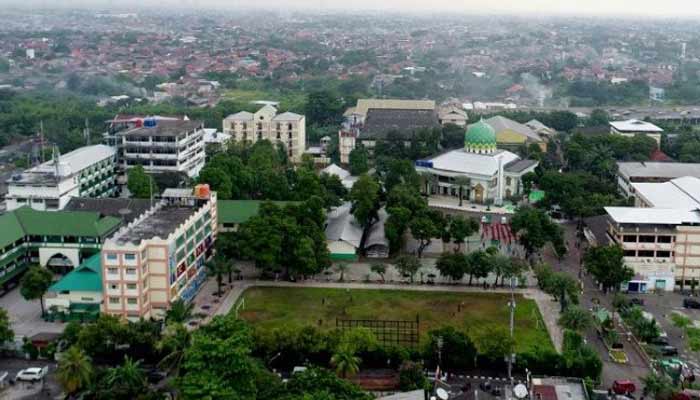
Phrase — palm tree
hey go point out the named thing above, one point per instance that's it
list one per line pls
(429, 180)
(576, 319)
(216, 266)
(179, 312)
(74, 370)
(345, 362)
(462, 181)
(379, 269)
(176, 338)
(127, 378)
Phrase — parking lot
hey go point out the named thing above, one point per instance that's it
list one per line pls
(25, 316)
(49, 388)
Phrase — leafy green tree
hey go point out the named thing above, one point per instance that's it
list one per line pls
(411, 376)
(345, 362)
(607, 265)
(407, 265)
(217, 180)
(461, 228)
(6, 332)
(359, 161)
(576, 319)
(495, 344)
(342, 268)
(365, 201)
(321, 384)
(34, 284)
(324, 107)
(216, 267)
(458, 350)
(172, 345)
(475, 261)
(534, 229)
(452, 265)
(140, 185)
(179, 312)
(528, 180)
(659, 386)
(425, 226)
(335, 192)
(379, 269)
(500, 265)
(74, 370)
(598, 117)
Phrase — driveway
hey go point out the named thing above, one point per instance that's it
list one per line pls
(25, 316)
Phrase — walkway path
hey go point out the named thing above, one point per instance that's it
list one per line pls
(548, 308)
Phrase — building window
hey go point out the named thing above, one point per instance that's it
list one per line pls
(131, 271)
(130, 256)
(629, 238)
(646, 253)
(663, 254)
(132, 301)
(112, 271)
(646, 239)
(131, 286)
(508, 180)
(663, 239)
(630, 253)
(112, 256)
(114, 300)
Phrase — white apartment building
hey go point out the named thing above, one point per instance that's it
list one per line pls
(163, 145)
(634, 127)
(287, 128)
(85, 172)
(660, 236)
(159, 257)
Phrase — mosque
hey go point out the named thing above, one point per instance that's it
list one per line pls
(487, 175)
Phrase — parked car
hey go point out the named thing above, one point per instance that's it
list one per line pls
(691, 303)
(34, 374)
(668, 351)
(636, 301)
(660, 341)
(623, 386)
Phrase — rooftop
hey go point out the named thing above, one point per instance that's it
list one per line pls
(123, 208)
(652, 216)
(668, 170)
(500, 123)
(160, 223)
(463, 162)
(87, 277)
(164, 128)
(342, 226)
(680, 193)
(380, 122)
(635, 125)
(556, 388)
(363, 105)
(75, 161)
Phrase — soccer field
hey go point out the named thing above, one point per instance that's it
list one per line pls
(473, 313)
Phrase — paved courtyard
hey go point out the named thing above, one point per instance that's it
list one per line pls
(25, 316)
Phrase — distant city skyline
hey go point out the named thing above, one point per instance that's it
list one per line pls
(648, 8)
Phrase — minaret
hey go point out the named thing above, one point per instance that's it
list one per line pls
(499, 186)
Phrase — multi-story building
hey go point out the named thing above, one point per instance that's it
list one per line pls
(660, 236)
(287, 128)
(634, 127)
(59, 240)
(159, 257)
(86, 172)
(629, 173)
(161, 145)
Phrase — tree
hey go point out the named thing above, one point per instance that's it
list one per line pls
(345, 362)
(411, 376)
(452, 265)
(74, 370)
(379, 269)
(500, 265)
(341, 267)
(458, 350)
(324, 107)
(6, 333)
(179, 312)
(217, 267)
(461, 181)
(576, 319)
(407, 265)
(320, 384)
(364, 196)
(658, 385)
(126, 380)
(461, 228)
(359, 161)
(140, 185)
(475, 260)
(534, 229)
(172, 345)
(495, 344)
(34, 284)
(425, 226)
(606, 264)
(218, 180)
(528, 181)
(598, 118)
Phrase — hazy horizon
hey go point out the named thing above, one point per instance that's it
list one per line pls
(613, 8)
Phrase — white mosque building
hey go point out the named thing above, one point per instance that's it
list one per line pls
(488, 175)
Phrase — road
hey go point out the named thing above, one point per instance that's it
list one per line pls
(637, 367)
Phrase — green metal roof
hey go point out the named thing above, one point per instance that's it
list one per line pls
(10, 229)
(65, 223)
(87, 277)
(239, 211)
(480, 134)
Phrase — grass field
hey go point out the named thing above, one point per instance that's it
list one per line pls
(268, 308)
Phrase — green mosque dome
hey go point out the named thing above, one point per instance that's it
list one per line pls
(480, 137)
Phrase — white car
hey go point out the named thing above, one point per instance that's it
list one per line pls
(32, 374)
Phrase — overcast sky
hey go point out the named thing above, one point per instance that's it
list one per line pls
(542, 7)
